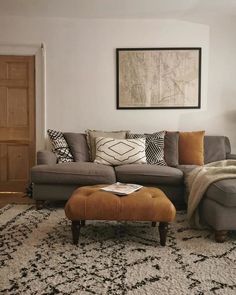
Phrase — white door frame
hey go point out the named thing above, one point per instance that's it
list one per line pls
(38, 50)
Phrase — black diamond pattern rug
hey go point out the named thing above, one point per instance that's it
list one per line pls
(37, 257)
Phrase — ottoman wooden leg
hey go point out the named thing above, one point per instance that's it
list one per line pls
(220, 236)
(75, 228)
(153, 223)
(163, 228)
(82, 223)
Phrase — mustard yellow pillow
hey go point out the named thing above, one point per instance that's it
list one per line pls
(191, 148)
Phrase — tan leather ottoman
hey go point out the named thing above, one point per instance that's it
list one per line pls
(147, 204)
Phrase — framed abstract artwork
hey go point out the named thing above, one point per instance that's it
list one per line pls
(158, 78)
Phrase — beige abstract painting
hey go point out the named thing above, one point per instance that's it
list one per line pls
(158, 78)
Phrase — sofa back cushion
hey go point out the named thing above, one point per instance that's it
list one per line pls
(78, 146)
(215, 148)
(171, 148)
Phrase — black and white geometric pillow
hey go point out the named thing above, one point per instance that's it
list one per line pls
(154, 147)
(60, 146)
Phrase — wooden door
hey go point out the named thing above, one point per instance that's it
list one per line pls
(17, 121)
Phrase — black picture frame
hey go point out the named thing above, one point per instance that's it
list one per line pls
(129, 62)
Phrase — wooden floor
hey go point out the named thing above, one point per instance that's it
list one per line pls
(16, 198)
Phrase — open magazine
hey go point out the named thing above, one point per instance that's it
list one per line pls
(122, 189)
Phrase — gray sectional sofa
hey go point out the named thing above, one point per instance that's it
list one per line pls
(52, 181)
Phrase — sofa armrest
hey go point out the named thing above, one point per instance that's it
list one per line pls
(46, 158)
(231, 156)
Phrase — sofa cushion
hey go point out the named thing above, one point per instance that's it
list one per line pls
(215, 148)
(78, 146)
(171, 148)
(223, 192)
(191, 148)
(148, 174)
(110, 151)
(81, 173)
(91, 139)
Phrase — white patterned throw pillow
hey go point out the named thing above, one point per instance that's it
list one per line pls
(154, 147)
(110, 151)
(91, 138)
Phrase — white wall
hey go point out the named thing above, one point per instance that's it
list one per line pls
(81, 86)
(221, 115)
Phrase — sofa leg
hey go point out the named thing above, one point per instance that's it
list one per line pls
(82, 223)
(39, 204)
(163, 229)
(221, 235)
(154, 223)
(75, 228)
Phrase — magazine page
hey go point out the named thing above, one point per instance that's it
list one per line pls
(122, 188)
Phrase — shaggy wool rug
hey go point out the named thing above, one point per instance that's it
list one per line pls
(38, 257)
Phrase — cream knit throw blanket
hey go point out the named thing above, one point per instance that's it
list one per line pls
(199, 180)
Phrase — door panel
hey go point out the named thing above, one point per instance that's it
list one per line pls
(14, 134)
(3, 162)
(3, 70)
(17, 107)
(3, 106)
(17, 71)
(17, 121)
(18, 162)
